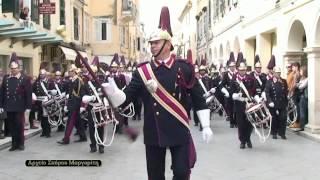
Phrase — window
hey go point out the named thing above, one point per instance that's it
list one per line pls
(35, 11)
(46, 18)
(86, 28)
(75, 24)
(62, 12)
(12, 6)
(103, 29)
(138, 45)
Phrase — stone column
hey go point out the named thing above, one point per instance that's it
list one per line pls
(313, 89)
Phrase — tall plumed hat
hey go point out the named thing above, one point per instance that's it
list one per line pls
(272, 62)
(164, 29)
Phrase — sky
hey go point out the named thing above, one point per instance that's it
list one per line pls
(150, 13)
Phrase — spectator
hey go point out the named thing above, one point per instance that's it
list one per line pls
(294, 91)
(24, 17)
(303, 103)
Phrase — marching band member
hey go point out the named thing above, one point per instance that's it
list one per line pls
(16, 99)
(277, 101)
(60, 85)
(73, 108)
(40, 89)
(163, 85)
(89, 96)
(259, 78)
(242, 91)
(226, 83)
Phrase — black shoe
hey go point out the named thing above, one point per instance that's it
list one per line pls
(2, 136)
(63, 142)
(21, 147)
(196, 124)
(81, 140)
(13, 148)
(242, 146)
(93, 149)
(42, 135)
(274, 137)
(232, 126)
(249, 144)
(76, 134)
(283, 137)
(48, 135)
(101, 149)
(34, 127)
(60, 129)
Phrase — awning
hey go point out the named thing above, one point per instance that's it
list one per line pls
(70, 54)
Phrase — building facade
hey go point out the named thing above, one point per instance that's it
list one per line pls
(186, 37)
(288, 29)
(92, 27)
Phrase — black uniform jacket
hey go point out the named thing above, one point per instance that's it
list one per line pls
(277, 92)
(16, 93)
(160, 127)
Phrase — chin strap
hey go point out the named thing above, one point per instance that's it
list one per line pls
(165, 42)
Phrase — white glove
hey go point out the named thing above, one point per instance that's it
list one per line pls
(34, 97)
(209, 99)
(225, 92)
(204, 118)
(271, 104)
(257, 99)
(82, 109)
(1, 110)
(63, 94)
(236, 96)
(65, 109)
(27, 110)
(86, 99)
(263, 96)
(53, 92)
(206, 95)
(115, 95)
(212, 90)
(67, 96)
(152, 86)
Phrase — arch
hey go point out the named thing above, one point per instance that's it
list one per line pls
(317, 32)
(297, 36)
(236, 45)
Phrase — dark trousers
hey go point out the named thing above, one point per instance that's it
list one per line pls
(303, 111)
(32, 116)
(156, 162)
(74, 120)
(279, 120)
(229, 111)
(244, 127)
(195, 117)
(46, 129)
(16, 120)
(137, 107)
(92, 130)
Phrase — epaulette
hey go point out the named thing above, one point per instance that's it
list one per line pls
(140, 64)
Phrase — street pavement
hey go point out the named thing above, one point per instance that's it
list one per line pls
(297, 158)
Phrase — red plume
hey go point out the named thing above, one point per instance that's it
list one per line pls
(164, 22)
(189, 56)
